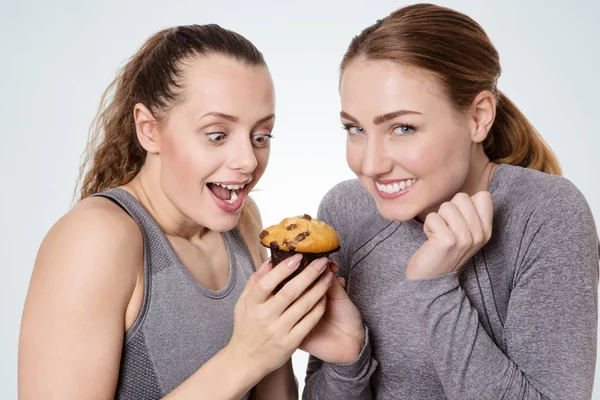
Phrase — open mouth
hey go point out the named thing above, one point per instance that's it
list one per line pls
(229, 197)
(228, 193)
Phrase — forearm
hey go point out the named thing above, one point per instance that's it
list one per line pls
(223, 377)
(470, 364)
(341, 381)
(280, 384)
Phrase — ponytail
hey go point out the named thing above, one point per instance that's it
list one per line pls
(513, 140)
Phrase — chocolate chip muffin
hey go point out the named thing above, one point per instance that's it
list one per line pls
(302, 234)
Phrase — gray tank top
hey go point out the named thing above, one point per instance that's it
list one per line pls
(181, 324)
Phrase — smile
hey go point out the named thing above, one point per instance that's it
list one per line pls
(395, 187)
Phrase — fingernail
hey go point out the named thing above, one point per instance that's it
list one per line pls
(294, 261)
(320, 264)
(328, 277)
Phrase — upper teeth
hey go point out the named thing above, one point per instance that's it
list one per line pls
(231, 187)
(396, 186)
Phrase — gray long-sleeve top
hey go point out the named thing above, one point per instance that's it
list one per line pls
(518, 321)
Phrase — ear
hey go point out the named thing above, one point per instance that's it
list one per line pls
(146, 127)
(483, 114)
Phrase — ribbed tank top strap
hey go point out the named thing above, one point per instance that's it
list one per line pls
(156, 247)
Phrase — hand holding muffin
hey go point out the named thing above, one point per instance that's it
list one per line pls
(268, 328)
(339, 335)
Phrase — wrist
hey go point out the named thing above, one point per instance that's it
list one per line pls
(360, 343)
(225, 376)
(244, 371)
(358, 367)
(354, 347)
(422, 273)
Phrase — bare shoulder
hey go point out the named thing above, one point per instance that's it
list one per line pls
(95, 229)
(73, 320)
(92, 254)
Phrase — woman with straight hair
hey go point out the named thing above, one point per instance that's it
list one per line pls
(473, 263)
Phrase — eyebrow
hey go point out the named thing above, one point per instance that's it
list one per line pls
(234, 118)
(380, 119)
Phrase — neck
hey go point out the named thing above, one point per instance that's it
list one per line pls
(148, 191)
(481, 170)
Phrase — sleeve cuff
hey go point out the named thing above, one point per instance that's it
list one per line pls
(430, 289)
(361, 364)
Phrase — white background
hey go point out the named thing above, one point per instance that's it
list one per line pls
(56, 58)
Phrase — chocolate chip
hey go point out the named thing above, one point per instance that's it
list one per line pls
(274, 245)
(306, 217)
(291, 246)
(301, 236)
(263, 234)
(292, 226)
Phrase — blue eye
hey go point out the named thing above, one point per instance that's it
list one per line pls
(403, 129)
(353, 129)
(262, 140)
(216, 137)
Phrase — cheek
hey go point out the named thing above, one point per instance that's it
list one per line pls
(262, 160)
(421, 160)
(354, 157)
(440, 153)
(181, 165)
(443, 164)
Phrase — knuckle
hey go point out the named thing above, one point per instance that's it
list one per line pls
(445, 207)
(467, 240)
(430, 217)
(478, 237)
(461, 196)
(449, 241)
(287, 293)
(263, 286)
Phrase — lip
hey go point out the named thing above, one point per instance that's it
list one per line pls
(392, 196)
(389, 181)
(234, 207)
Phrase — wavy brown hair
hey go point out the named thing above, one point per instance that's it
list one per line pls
(114, 155)
(458, 52)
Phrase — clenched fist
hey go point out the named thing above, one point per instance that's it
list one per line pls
(455, 233)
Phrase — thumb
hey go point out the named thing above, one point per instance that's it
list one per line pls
(336, 290)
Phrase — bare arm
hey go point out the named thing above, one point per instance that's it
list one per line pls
(73, 320)
(74, 317)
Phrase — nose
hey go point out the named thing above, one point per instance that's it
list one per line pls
(376, 160)
(243, 158)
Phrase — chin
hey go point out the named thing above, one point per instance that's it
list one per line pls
(222, 223)
(398, 212)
